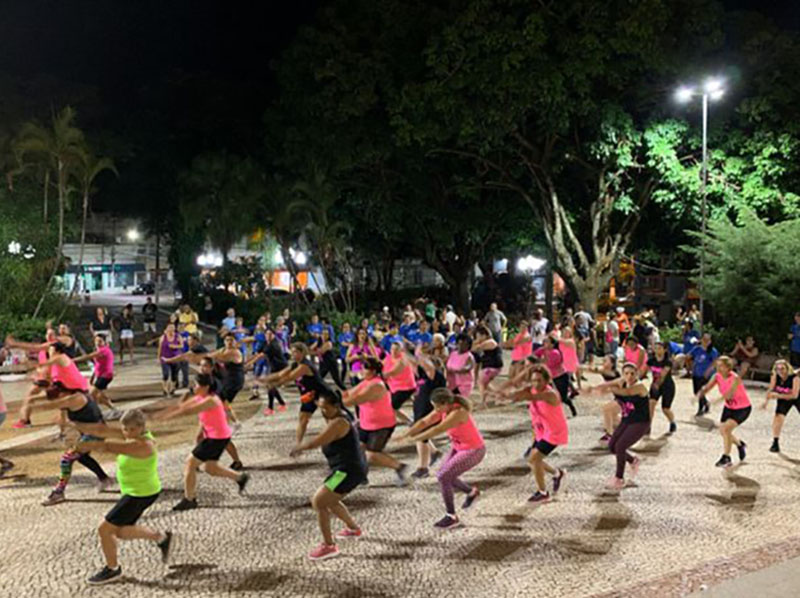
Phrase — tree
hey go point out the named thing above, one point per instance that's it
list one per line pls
(90, 167)
(59, 148)
(221, 192)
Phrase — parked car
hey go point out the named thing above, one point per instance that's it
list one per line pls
(145, 288)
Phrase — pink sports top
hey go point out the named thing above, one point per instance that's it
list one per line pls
(739, 400)
(570, 356)
(522, 347)
(633, 356)
(553, 359)
(548, 421)
(214, 421)
(104, 363)
(364, 351)
(403, 380)
(69, 377)
(458, 361)
(466, 436)
(377, 414)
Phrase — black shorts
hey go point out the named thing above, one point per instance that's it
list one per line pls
(422, 407)
(737, 415)
(57, 389)
(544, 447)
(343, 482)
(400, 397)
(665, 392)
(210, 449)
(375, 440)
(309, 407)
(794, 359)
(784, 406)
(102, 383)
(129, 508)
(169, 371)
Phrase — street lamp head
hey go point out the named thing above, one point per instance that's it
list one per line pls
(684, 94)
(716, 94)
(713, 85)
(133, 235)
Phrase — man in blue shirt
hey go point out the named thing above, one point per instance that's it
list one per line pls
(391, 337)
(703, 357)
(314, 329)
(408, 327)
(690, 336)
(345, 339)
(422, 336)
(794, 345)
(229, 321)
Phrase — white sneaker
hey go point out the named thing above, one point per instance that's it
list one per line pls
(105, 485)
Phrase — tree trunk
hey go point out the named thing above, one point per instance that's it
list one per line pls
(60, 250)
(79, 272)
(463, 295)
(589, 287)
(46, 193)
(386, 269)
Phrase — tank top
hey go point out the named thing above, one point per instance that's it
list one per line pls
(363, 351)
(553, 360)
(739, 400)
(69, 376)
(466, 436)
(458, 361)
(104, 363)
(214, 421)
(345, 454)
(139, 477)
(311, 383)
(428, 385)
(632, 356)
(635, 409)
(234, 371)
(522, 348)
(657, 367)
(168, 352)
(88, 414)
(492, 359)
(570, 356)
(549, 423)
(784, 386)
(377, 414)
(403, 380)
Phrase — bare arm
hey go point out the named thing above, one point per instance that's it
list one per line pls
(453, 419)
(139, 448)
(335, 430)
(373, 393)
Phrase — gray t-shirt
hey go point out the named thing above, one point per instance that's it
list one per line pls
(494, 320)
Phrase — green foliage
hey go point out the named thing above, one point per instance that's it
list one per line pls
(751, 277)
(24, 329)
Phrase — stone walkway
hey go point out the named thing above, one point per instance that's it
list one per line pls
(686, 523)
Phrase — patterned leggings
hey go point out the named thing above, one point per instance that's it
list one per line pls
(68, 459)
(455, 464)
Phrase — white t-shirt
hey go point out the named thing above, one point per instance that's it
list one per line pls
(539, 330)
(613, 327)
(450, 317)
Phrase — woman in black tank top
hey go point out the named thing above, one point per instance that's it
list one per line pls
(491, 359)
(340, 445)
(784, 387)
(84, 412)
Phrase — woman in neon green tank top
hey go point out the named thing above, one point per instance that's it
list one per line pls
(137, 474)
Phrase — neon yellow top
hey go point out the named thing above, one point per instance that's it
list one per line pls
(139, 477)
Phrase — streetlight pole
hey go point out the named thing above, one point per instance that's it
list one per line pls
(713, 89)
(703, 209)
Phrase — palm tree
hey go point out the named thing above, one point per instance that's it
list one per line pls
(89, 168)
(315, 201)
(59, 148)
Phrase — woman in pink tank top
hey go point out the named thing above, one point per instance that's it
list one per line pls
(521, 347)
(398, 371)
(636, 354)
(452, 414)
(357, 353)
(737, 408)
(215, 437)
(549, 428)
(461, 367)
(376, 421)
(64, 372)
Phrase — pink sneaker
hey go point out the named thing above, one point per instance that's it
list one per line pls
(281, 407)
(268, 411)
(323, 551)
(20, 424)
(615, 483)
(349, 533)
(634, 466)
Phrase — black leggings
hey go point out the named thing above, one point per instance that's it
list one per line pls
(699, 382)
(562, 385)
(329, 366)
(273, 394)
(625, 436)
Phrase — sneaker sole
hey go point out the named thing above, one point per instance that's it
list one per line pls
(330, 555)
(53, 503)
(106, 581)
(341, 537)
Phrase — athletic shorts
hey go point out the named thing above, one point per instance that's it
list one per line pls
(102, 382)
(422, 407)
(129, 508)
(544, 447)
(126, 334)
(149, 326)
(400, 397)
(57, 389)
(488, 374)
(737, 415)
(343, 482)
(228, 393)
(375, 440)
(666, 392)
(210, 449)
(785, 406)
(169, 371)
(308, 402)
(794, 359)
